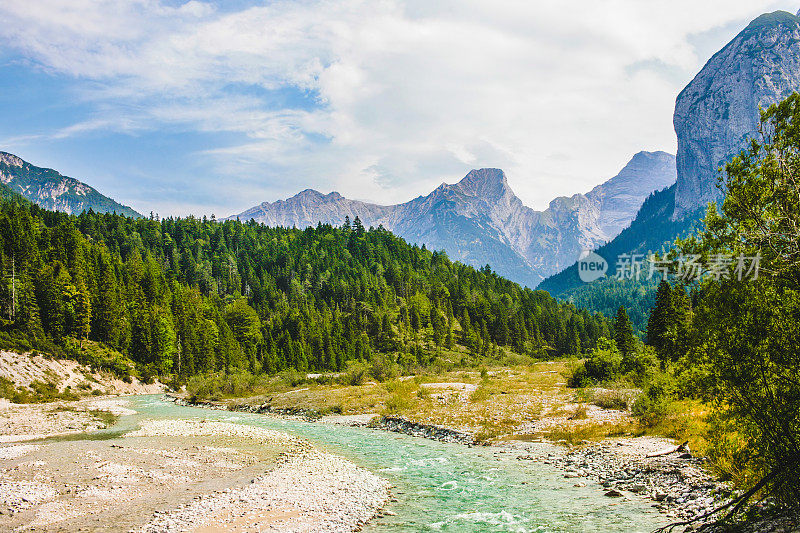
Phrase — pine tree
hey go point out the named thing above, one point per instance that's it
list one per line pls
(623, 332)
(660, 316)
(28, 318)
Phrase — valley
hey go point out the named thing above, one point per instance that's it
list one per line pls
(325, 364)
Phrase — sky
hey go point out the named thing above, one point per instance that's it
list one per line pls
(212, 107)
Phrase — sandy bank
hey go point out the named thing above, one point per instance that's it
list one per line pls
(183, 475)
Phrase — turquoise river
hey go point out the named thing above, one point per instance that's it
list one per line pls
(440, 486)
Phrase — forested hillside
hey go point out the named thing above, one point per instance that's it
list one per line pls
(653, 230)
(187, 296)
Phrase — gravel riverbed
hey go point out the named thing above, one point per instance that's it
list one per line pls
(307, 491)
(676, 483)
(176, 475)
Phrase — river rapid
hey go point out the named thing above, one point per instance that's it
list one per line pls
(440, 486)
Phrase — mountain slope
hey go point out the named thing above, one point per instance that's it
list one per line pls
(653, 229)
(715, 115)
(480, 220)
(717, 112)
(51, 190)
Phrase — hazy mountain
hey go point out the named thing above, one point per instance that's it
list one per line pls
(480, 220)
(51, 190)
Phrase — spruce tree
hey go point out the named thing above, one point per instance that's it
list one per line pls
(658, 323)
(623, 332)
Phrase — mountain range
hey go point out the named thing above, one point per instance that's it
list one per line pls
(51, 190)
(480, 220)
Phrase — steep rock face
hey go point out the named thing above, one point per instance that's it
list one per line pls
(51, 190)
(621, 197)
(717, 112)
(480, 220)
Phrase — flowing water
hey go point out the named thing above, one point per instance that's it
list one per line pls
(444, 487)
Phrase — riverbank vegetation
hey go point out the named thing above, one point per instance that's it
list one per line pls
(726, 347)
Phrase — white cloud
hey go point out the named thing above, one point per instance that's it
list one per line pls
(405, 94)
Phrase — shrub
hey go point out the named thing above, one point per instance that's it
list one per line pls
(579, 378)
(641, 365)
(218, 386)
(480, 394)
(397, 403)
(355, 374)
(652, 406)
(292, 377)
(382, 368)
(612, 399)
(605, 362)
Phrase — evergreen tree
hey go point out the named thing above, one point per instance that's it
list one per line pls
(660, 317)
(623, 333)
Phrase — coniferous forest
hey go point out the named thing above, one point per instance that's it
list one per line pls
(180, 297)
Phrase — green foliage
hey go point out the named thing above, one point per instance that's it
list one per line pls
(603, 364)
(356, 373)
(623, 333)
(37, 392)
(100, 357)
(185, 297)
(382, 368)
(653, 405)
(669, 326)
(736, 342)
(607, 364)
(219, 386)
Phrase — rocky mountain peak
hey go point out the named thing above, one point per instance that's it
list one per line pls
(717, 113)
(52, 190)
(487, 182)
(308, 195)
(480, 220)
(11, 159)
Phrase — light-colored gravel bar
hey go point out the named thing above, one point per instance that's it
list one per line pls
(308, 490)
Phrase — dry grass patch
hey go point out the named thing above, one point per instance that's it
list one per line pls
(582, 433)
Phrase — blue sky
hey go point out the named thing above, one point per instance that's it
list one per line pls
(194, 107)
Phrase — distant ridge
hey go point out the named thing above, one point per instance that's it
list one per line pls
(480, 220)
(51, 190)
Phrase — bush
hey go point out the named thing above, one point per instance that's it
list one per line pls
(396, 403)
(292, 377)
(383, 369)
(579, 378)
(603, 364)
(218, 386)
(652, 406)
(480, 394)
(612, 399)
(641, 365)
(606, 364)
(355, 374)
